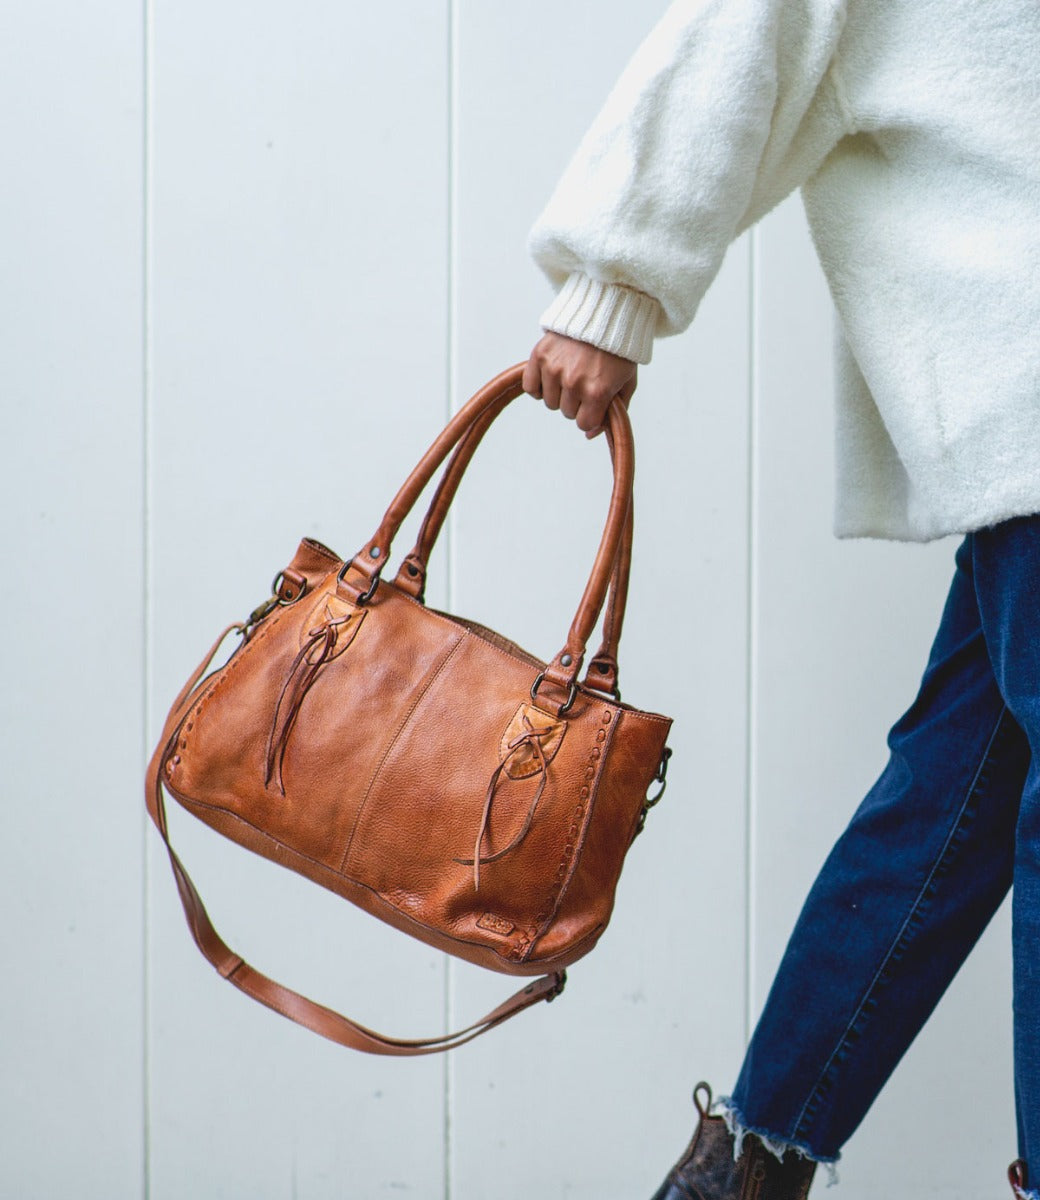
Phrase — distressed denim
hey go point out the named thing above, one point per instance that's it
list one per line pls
(951, 824)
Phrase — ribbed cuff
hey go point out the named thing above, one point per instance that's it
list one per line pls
(608, 315)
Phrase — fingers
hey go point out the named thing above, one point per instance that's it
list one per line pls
(625, 394)
(578, 379)
(551, 391)
(532, 377)
(628, 391)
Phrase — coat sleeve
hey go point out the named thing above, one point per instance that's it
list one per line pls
(728, 106)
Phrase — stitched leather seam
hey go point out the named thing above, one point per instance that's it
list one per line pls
(323, 552)
(569, 954)
(636, 713)
(531, 661)
(240, 654)
(581, 816)
(405, 720)
(459, 627)
(219, 677)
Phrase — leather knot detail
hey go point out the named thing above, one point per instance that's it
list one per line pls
(522, 759)
(526, 744)
(337, 626)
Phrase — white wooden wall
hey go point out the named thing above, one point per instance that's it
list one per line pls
(253, 254)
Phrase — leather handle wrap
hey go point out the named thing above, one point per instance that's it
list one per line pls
(411, 575)
(562, 671)
(232, 967)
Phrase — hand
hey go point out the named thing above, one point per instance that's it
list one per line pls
(578, 379)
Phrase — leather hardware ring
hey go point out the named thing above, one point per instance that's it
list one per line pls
(370, 592)
(661, 777)
(570, 697)
(276, 584)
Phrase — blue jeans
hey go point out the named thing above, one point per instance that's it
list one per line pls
(951, 824)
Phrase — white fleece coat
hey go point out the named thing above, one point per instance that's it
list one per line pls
(913, 130)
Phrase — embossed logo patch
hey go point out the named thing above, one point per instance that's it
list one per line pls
(522, 759)
(495, 924)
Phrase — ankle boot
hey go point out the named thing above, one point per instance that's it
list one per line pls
(707, 1170)
(1018, 1178)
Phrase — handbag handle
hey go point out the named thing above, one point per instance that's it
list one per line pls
(602, 671)
(230, 966)
(562, 671)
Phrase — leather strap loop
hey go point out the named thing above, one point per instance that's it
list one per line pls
(562, 671)
(276, 996)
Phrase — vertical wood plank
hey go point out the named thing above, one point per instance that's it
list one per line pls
(300, 275)
(660, 1001)
(841, 638)
(71, 1114)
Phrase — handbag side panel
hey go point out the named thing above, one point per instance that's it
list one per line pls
(632, 750)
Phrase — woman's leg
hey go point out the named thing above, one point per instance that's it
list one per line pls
(901, 900)
(1007, 572)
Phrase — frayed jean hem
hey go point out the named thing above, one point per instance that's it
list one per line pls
(739, 1129)
(1026, 1193)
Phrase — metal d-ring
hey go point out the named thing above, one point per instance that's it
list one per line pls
(366, 595)
(276, 587)
(661, 777)
(570, 697)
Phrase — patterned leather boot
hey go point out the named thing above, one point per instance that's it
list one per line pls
(707, 1170)
(1018, 1178)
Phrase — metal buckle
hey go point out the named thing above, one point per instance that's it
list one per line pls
(561, 983)
(261, 611)
(570, 697)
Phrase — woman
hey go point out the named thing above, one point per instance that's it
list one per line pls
(911, 127)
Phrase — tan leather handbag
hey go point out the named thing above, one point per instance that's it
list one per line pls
(418, 764)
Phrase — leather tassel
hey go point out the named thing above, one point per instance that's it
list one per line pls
(316, 652)
(530, 737)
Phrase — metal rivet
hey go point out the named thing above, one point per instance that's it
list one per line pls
(375, 552)
(566, 660)
(602, 668)
(413, 570)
